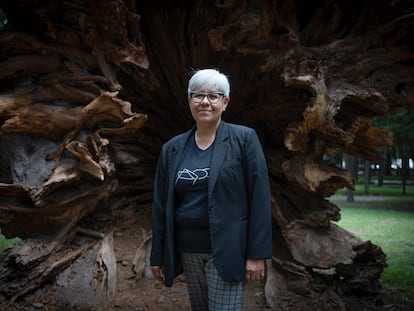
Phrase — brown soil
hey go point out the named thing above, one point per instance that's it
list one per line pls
(147, 294)
(132, 294)
(150, 295)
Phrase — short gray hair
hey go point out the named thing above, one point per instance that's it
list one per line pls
(209, 78)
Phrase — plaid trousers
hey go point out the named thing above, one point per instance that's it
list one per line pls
(206, 289)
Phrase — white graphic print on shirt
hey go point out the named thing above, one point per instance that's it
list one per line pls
(193, 175)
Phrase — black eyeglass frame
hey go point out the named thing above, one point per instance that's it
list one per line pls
(206, 95)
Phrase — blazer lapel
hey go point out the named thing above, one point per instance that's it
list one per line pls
(175, 156)
(219, 152)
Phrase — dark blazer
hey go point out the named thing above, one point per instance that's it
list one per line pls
(238, 202)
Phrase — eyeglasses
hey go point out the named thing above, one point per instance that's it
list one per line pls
(213, 98)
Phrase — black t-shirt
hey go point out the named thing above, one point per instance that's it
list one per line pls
(191, 205)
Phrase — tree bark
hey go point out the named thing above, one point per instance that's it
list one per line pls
(350, 166)
(404, 168)
(367, 177)
(90, 90)
(383, 167)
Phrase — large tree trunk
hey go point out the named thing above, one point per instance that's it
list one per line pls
(91, 89)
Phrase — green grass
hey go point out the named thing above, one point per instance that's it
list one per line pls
(393, 231)
(380, 221)
(4, 243)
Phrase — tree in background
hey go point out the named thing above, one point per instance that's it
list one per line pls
(400, 124)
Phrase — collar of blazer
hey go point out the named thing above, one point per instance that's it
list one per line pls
(221, 135)
(219, 153)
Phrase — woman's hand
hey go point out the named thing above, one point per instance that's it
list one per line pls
(255, 270)
(158, 273)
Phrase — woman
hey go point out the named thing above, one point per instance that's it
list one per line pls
(211, 211)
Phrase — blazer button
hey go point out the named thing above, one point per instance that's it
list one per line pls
(210, 207)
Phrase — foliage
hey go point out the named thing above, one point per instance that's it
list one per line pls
(400, 123)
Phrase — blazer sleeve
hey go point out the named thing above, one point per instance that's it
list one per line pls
(158, 211)
(257, 183)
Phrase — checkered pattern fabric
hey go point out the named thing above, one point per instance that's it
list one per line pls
(206, 289)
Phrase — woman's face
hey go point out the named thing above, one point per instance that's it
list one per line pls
(207, 105)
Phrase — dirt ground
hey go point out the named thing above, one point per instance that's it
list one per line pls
(132, 294)
(147, 294)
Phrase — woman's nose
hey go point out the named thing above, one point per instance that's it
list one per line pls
(205, 100)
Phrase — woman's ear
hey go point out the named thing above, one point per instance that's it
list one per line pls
(226, 102)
